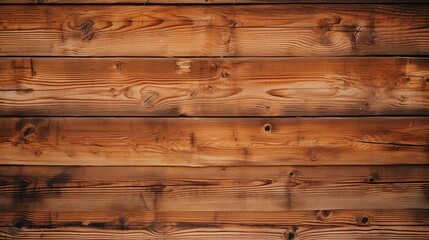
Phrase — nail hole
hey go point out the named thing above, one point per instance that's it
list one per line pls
(292, 174)
(268, 127)
(364, 220)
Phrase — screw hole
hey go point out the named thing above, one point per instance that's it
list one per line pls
(364, 220)
(267, 127)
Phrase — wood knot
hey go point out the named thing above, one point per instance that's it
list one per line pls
(25, 135)
(119, 66)
(87, 29)
(27, 131)
(224, 74)
(363, 220)
(290, 235)
(292, 174)
(323, 214)
(22, 222)
(373, 179)
(122, 223)
(149, 98)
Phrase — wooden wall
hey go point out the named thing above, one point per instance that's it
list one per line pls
(214, 119)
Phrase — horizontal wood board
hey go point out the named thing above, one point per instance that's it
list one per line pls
(214, 141)
(226, 30)
(214, 86)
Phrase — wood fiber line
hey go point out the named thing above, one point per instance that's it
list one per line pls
(227, 30)
(214, 87)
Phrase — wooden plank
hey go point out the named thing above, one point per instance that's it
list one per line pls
(259, 188)
(214, 232)
(213, 141)
(138, 220)
(213, 87)
(148, 2)
(228, 30)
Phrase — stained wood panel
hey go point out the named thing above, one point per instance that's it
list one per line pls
(214, 119)
(214, 87)
(213, 141)
(199, 189)
(288, 30)
(138, 220)
(213, 232)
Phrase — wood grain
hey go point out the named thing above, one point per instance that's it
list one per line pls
(148, 2)
(213, 232)
(227, 30)
(214, 188)
(214, 141)
(137, 220)
(214, 87)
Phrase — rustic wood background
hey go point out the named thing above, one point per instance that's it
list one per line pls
(214, 119)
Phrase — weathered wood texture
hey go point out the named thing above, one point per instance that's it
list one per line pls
(214, 87)
(215, 233)
(214, 141)
(227, 30)
(148, 2)
(296, 224)
(134, 220)
(214, 188)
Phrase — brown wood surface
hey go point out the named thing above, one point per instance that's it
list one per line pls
(178, 119)
(214, 141)
(215, 233)
(134, 220)
(214, 87)
(213, 189)
(228, 30)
